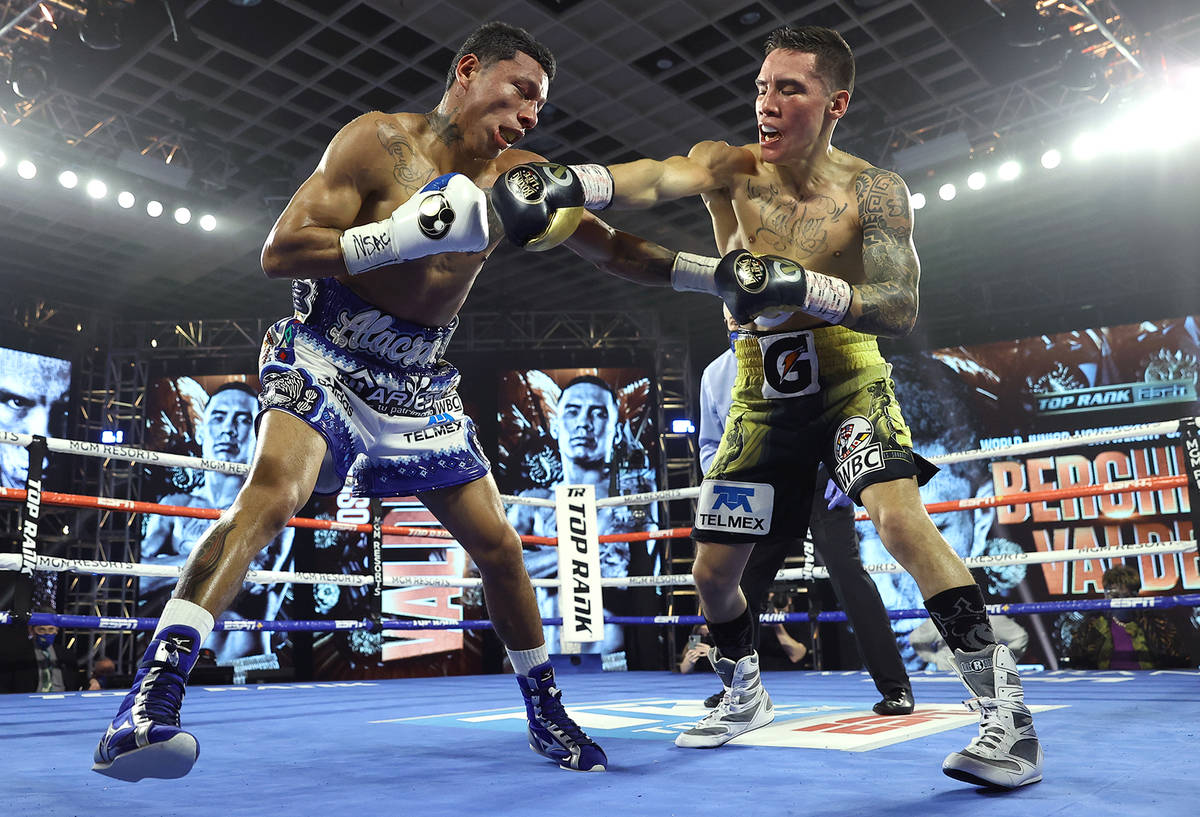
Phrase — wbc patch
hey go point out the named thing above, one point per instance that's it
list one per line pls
(855, 452)
(735, 507)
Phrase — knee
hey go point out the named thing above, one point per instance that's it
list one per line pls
(711, 580)
(502, 551)
(902, 529)
(269, 505)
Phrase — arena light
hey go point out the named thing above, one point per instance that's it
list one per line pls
(947, 192)
(1009, 170)
(682, 425)
(26, 169)
(208, 222)
(154, 208)
(918, 201)
(183, 215)
(1051, 159)
(112, 437)
(977, 180)
(153, 343)
(126, 199)
(1086, 147)
(97, 189)
(68, 179)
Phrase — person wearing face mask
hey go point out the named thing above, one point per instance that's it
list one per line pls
(1126, 638)
(37, 660)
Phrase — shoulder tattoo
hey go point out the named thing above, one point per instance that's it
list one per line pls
(408, 169)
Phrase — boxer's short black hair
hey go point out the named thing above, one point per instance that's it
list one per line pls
(835, 60)
(595, 381)
(495, 41)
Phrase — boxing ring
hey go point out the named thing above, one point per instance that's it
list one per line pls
(1116, 742)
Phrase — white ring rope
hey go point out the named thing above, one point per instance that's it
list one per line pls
(124, 452)
(12, 561)
(121, 452)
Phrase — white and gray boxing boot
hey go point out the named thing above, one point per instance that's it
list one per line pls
(745, 705)
(1007, 753)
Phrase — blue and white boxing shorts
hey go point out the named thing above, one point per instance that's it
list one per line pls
(376, 388)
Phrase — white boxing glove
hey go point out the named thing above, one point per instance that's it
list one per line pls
(449, 214)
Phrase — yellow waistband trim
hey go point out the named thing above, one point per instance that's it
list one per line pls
(838, 350)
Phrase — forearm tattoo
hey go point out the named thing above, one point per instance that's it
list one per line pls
(204, 561)
(408, 169)
(887, 299)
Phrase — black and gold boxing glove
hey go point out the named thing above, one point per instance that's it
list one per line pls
(539, 204)
(751, 285)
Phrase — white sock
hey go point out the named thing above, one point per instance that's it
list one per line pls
(189, 614)
(525, 660)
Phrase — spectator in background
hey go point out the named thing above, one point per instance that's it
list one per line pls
(695, 652)
(103, 669)
(1125, 637)
(780, 645)
(36, 660)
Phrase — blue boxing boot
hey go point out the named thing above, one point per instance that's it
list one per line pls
(145, 739)
(551, 731)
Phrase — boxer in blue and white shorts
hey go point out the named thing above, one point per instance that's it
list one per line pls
(376, 388)
(383, 243)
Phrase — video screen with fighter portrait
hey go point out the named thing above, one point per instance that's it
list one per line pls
(35, 393)
(1043, 388)
(573, 426)
(211, 417)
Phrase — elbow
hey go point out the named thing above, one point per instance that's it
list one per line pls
(905, 328)
(272, 261)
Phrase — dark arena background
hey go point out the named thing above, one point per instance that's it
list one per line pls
(1051, 149)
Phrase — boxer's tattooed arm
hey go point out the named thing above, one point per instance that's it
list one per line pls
(408, 169)
(886, 302)
(204, 563)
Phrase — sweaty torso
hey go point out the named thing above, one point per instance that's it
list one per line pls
(819, 227)
(427, 291)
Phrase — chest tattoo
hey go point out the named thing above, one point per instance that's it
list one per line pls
(787, 223)
(409, 170)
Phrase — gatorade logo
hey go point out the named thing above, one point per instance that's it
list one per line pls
(789, 365)
(525, 184)
(750, 272)
(434, 216)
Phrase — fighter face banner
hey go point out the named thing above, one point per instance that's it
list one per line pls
(211, 417)
(1054, 387)
(581, 426)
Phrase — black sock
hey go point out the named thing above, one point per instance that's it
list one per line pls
(735, 639)
(961, 618)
